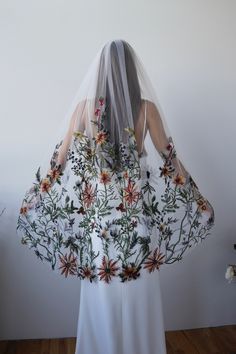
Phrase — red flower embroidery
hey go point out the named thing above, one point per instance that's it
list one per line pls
(131, 195)
(169, 147)
(153, 262)
(107, 269)
(88, 195)
(86, 272)
(68, 264)
(54, 174)
(105, 177)
(97, 112)
(101, 101)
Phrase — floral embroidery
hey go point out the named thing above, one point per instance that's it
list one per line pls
(131, 195)
(101, 101)
(201, 204)
(23, 210)
(130, 271)
(97, 112)
(55, 174)
(105, 177)
(88, 195)
(101, 137)
(68, 264)
(121, 207)
(45, 185)
(87, 272)
(165, 171)
(108, 269)
(153, 262)
(179, 180)
(101, 227)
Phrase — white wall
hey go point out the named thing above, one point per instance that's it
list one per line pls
(188, 48)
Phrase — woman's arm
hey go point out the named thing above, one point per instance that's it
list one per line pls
(61, 156)
(160, 141)
(63, 150)
(159, 137)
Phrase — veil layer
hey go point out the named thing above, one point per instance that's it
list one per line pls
(115, 199)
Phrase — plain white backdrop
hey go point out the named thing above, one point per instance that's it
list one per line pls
(188, 48)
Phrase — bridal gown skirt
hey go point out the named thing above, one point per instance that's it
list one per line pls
(121, 318)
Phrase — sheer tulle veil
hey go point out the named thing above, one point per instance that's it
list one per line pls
(117, 120)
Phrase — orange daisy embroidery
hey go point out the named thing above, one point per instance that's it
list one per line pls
(45, 185)
(105, 177)
(179, 180)
(153, 262)
(108, 269)
(68, 264)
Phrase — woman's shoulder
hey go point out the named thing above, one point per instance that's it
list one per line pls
(150, 105)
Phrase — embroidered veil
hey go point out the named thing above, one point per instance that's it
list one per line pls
(114, 198)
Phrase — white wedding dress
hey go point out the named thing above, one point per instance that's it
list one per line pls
(121, 318)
